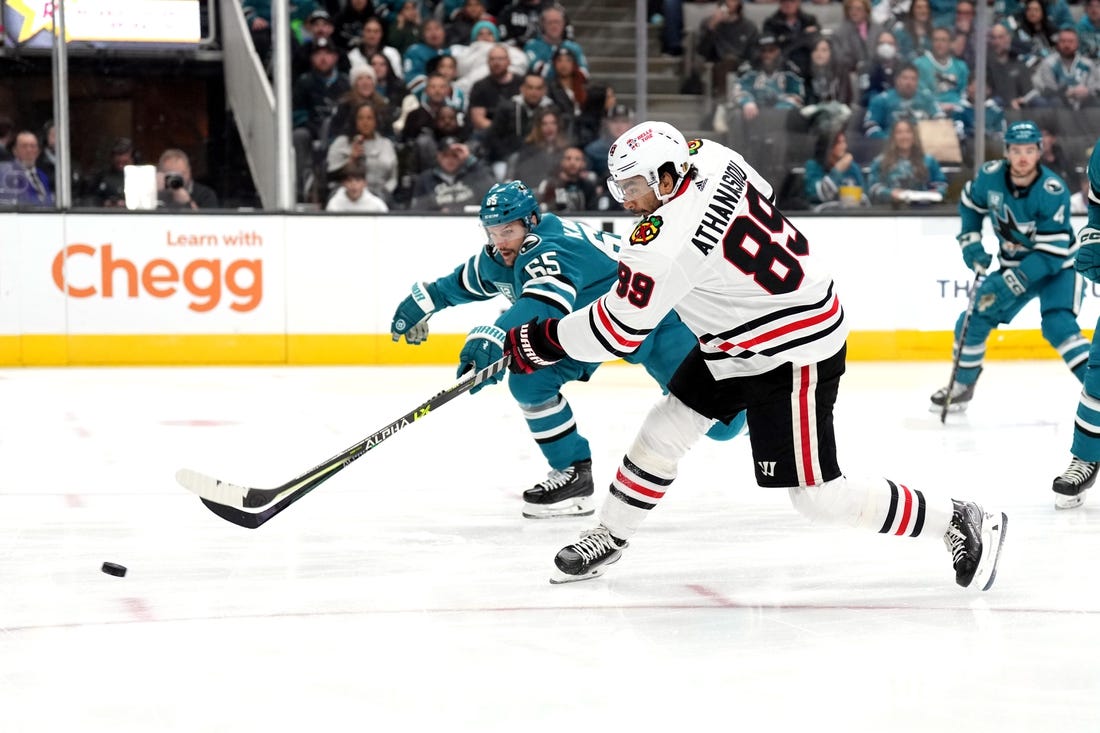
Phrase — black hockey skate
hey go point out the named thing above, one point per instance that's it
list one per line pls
(961, 394)
(566, 493)
(589, 557)
(975, 538)
(1070, 488)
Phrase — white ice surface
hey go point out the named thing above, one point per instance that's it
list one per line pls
(407, 593)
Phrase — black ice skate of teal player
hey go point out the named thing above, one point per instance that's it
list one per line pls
(1028, 206)
(547, 267)
(1071, 486)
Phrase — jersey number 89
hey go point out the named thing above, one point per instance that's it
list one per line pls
(751, 249)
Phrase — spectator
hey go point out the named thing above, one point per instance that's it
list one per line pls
(108, 187)
(965, 121)
(1053, 156)
(456, 183)
(1088, 30)
(432, 40)
(47, 158)
(371, 42)
(540, 50)
(257, 14)
(795, 31)
(598, 103)
(567, 87)
(420, 155)
(361, 144)
(542, 148)
(570, 187)
(513, 119)
(1033, 34)
(437, 94)
(364, 88)
(461, 24)
(906, 100)
(176, 189)
(1066, 79)
(942, 75)
(314, 98)
(519, 21)
(405, 29)
(831, 169)
(914, 33)
(353, 195)
(386, 81)
(962, 40)
(766, 104)
(501, 83)
(618, 120)
(22, 182)
(348, 23)
(7, 137)
(727, 39)
(853, 40)
(1009, 78)
(447, 67)
(903, 173)
(1057, 10)
(884, 67)
(317, 26)
(474, 59)
(828, 89)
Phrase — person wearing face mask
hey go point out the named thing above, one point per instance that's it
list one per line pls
(883, 66)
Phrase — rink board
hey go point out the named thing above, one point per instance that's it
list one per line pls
(129, 288)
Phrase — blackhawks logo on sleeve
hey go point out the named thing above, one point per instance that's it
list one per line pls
(646, 230)
(694, 145)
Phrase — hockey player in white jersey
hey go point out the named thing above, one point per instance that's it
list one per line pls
(771, 341)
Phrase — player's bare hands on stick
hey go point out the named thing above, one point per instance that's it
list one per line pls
(534, 345)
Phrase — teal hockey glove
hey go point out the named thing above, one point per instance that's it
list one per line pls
(484, 345)
(1000, 291)
(1088, 257)
(974, 254)
(411, 317)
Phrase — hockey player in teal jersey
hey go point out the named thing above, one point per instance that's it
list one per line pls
(547, 267)
(1071, 486)
(1028, 206)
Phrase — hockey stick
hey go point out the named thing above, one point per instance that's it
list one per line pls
(962, 340)
(248, 507)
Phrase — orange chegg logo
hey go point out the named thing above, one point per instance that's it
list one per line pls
(203, 279)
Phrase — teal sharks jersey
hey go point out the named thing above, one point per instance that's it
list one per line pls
(563, 265)
(1025, 220)
(1094, 187)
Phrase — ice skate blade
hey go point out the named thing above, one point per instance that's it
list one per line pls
(1062, 501)
(994, 528)
(560, 578)
(578, 506)
(952, 409)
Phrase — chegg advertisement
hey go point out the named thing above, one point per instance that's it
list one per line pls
(146, 274)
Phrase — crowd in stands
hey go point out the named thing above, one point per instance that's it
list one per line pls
(882, 100)
(422, 105)
(433, 103)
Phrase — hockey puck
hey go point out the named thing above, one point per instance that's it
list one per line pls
(111, 568)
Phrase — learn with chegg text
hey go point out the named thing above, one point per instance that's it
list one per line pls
(202, 278)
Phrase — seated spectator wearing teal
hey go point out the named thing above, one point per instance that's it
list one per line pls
(832, 169)
(903, 173)
(905, 100)
(942, 74)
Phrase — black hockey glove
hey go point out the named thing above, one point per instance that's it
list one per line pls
(533, 345)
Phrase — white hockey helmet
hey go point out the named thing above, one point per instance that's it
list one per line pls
(641, 151)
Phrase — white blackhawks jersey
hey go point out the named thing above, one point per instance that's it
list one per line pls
(735, 270)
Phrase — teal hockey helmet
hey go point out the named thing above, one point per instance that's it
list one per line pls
(1023, 132)
(510, 201)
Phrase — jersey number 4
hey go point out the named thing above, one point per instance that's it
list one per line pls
(766, 245)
